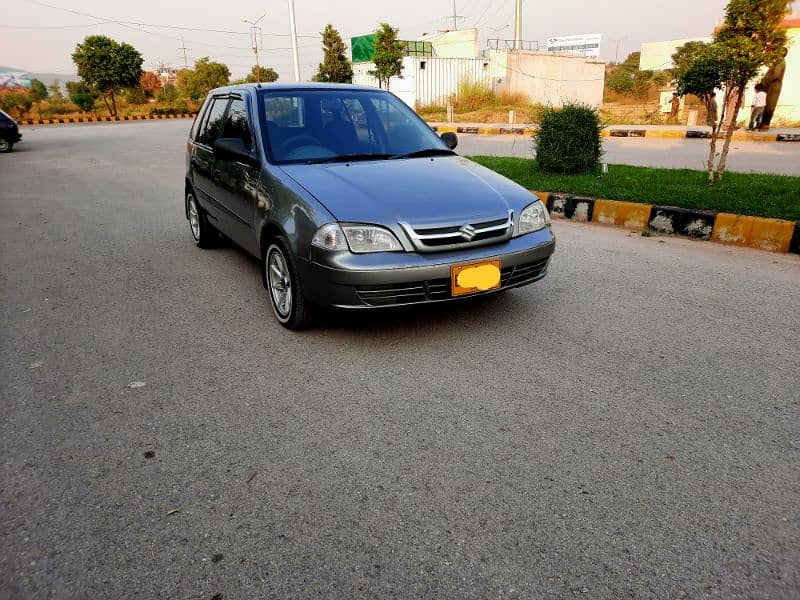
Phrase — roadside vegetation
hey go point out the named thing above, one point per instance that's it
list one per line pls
(773, 196)
(476, 102)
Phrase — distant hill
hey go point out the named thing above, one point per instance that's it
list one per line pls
(45, 78)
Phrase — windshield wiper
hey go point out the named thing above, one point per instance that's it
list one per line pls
(424, 152)
(347, 158)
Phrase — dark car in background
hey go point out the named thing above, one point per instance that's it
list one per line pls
(9, 132)
(350, 200)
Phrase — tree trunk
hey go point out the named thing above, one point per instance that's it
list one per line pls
(715, 130)
(105, 100)
(729, 134)
(113, 103)
(711, 110)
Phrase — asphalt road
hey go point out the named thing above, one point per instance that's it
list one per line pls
(626, 428)
(746, 157)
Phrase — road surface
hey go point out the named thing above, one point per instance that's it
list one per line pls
(626, 428)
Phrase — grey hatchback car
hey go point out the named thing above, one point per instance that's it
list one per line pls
(350, 200)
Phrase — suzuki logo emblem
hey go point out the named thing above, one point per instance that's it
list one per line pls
(467, 232)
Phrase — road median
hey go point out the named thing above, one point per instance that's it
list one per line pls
(772, 235)
(622, 131)
(69, 120)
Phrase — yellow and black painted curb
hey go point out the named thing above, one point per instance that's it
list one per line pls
(741, 136)
(773, 235)
(688, 134)
(107, 119)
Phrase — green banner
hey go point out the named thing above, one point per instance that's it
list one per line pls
(362, 48)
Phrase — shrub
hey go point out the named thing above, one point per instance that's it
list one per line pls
(621, 81)
(168, 93)
(83, 100)
(178, 107)
(135, 95)
(16, 102)
(568, 139)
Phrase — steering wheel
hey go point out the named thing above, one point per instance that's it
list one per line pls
(296, 141)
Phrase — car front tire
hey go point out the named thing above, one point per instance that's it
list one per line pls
(6, 146)
(285, 287)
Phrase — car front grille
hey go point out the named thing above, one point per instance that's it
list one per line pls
(462, 235)
(439, 289)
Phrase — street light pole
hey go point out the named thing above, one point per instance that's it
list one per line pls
(293, 31)
(518, 25)
(254, 33)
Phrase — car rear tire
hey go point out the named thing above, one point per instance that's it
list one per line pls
(203, 234)
(6, 146)
(285, 287)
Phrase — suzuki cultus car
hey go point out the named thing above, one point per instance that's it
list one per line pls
(350, 200)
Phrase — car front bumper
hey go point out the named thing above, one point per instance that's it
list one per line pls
(359, 281)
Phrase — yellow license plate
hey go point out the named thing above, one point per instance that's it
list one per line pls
(475, 277)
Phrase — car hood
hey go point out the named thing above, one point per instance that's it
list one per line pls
(422, 191)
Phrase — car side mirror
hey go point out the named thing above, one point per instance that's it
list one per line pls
(234, 149)
(451, 139)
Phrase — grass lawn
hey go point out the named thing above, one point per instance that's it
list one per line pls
(774, 196)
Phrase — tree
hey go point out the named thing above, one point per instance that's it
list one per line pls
(82, 94)
(627, 78)
(259, 74)
(697, 72)
(206, 75)
(38, 91)
(748, 39)
(388, 56)
(150, 83)
(335, 66)
(55, 90)
(107, 65)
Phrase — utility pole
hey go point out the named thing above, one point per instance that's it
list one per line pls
(255, 35)
(184, 48)
(518, 25)
(455, 16)
(293, 31)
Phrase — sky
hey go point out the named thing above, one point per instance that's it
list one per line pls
(40, 35)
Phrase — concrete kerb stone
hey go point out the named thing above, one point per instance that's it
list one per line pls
(104, 119)
(478, 130)
(620, 132)
(772, 235)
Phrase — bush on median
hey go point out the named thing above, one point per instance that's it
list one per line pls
(568, 139)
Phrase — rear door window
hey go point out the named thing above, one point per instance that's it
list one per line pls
(237, 124)
(212, 124)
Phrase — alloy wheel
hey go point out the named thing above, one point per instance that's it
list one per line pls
(280, 283)
(194, 218)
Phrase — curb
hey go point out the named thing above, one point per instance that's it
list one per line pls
(772, 235)
(105, 119)
(690, 134)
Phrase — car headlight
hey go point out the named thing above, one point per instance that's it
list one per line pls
(358, 238)
(368, 238)
(533, 218)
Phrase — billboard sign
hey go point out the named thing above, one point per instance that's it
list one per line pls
(585, 45)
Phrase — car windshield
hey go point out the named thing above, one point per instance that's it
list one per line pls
(331, 125)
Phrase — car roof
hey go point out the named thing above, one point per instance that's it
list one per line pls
(292, 86)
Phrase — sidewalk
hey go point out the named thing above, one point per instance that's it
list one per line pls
(635, 131)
